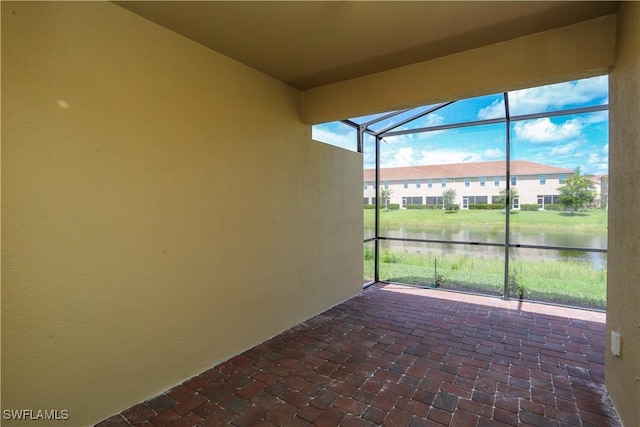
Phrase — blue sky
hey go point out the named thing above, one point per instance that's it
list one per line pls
(565, 141)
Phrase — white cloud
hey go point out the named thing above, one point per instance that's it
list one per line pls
(405, 156)
(552, 97)
(564, 149)
(597, 117)
(597, 164)
(413, 138)
(601, 169)
(544, 130)
(323, 134)
(495, 110)
(492, 153)
(400, 139)
(433, 119)
(448, 156)
(593, 158)
(556, 96)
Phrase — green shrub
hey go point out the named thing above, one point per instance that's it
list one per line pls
(389, 257)
(416, 206)
(553, 207)
(515, 287)
(483, 206)
(389, 206)
(529, 207)
(368, 253)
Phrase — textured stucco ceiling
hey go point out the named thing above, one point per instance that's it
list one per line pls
(307, 44)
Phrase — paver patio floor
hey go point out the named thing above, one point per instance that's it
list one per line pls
(403, 356)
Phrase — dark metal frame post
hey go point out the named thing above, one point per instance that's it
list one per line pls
(376, 276)
(507, 200)
(360, 141)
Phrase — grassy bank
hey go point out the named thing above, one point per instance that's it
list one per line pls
(594, 221)
(572, 282)
(566, 282)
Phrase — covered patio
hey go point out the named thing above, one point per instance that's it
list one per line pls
(173, 235)
(404, 356)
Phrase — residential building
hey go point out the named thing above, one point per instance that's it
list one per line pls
(601, 187)
(474, 183)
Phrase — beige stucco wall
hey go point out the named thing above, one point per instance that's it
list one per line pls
(622, 374)
(163, 208)
(581, 50)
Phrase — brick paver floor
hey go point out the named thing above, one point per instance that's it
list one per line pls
(403, 356)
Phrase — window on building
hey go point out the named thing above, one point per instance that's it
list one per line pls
(561, 179)
(408, 200)
(434, 201)
(443, 183)
(483, 181)
(366, 200)
(546, 200)
(496, 181)
(543, 180)
(405, 184)
(514, 181)
(365, 185)
(386, 185)
(430, 183)
(418, 185)
(467, 182)
(473, 200)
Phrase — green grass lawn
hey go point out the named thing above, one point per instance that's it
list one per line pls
(565, 282)
(594, 221)
(572, 282)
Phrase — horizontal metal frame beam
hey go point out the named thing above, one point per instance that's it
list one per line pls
(522, 117)
(558, 113)
(511, 245)
(445, 127)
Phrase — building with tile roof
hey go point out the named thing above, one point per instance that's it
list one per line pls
(474, 183)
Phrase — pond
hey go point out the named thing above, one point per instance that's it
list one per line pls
(542, 238)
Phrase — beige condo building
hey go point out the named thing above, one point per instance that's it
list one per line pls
(474, 183)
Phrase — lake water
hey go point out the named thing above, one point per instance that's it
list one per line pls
(573, 240)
